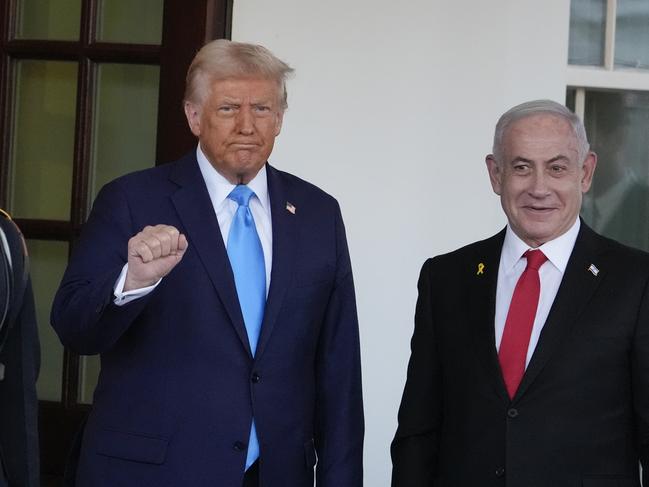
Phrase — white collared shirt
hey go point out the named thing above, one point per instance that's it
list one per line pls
(224, 208)
(219, 188)
(512, 265)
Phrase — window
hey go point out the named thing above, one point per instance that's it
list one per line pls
(608, 87)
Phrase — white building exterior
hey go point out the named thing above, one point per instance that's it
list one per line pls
(392, 110)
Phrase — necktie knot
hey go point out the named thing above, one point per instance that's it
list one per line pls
(535, 259)
(241, 194)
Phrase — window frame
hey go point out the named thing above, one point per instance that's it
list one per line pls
(606, 77)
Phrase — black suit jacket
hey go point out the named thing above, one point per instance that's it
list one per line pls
(18, 402)
(581, 414)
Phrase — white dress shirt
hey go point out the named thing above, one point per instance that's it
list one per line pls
(224, 208)
(512, 265)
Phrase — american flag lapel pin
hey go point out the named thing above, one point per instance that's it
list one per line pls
(593, 270)
(290, 208)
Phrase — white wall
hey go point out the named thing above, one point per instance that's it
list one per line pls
(392, 110)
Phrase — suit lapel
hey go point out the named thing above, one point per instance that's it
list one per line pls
(577, 287)
(481, 305)
(284, 238)
(192, 202)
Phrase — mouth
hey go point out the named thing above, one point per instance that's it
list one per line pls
(539, 210)
(243, 145)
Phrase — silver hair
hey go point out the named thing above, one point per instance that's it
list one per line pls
(222, 59)
(537, 107)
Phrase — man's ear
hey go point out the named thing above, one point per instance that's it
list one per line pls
(193, 114)
(495, 173)
(278, 123)
(588, 169)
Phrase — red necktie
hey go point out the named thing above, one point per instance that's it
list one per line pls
(520, 318)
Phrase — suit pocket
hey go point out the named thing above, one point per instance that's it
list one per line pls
(133, 447)
(609, 481)
(310, 455)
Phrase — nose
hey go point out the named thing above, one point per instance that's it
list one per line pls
(539, 185)
(245, 121)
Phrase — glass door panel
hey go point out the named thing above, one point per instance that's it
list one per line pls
(43, 139)
(48, 19)
(125, 121)
(47, 264)
(132, 22)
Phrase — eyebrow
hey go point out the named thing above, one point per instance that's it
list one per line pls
(237, 101)
(521, 159)
(559, 157)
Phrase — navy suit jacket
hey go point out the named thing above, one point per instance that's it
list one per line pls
(178, 384)
(580, 416)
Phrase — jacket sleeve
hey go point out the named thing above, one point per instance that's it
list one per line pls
(339, 428)
(415, 446)
(83, 313)
(640, 384)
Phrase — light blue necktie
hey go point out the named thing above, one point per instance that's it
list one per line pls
(247, 261)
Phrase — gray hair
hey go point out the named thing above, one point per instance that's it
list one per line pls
(538, 107)
(222, 59)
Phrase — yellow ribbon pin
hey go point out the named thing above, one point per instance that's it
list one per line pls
(480, 269)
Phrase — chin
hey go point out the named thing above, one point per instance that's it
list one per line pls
(535, 233)
(247, 165)
(247, 174)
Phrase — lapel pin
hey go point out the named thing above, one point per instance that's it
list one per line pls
(290, 208)
(594, 270)
(480, 269)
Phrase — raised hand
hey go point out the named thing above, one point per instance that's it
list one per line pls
(152, 253)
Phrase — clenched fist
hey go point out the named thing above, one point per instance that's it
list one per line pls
(152, 254)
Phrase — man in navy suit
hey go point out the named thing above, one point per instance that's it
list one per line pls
(226, 324)
(530, 354)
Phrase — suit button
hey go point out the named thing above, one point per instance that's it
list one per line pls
(255, 378)
(500, 471)
(512, 413)
(239, 446)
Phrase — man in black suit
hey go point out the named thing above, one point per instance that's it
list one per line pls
(530, 355)
(19, 363)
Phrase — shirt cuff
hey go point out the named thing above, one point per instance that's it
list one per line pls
(121, 297)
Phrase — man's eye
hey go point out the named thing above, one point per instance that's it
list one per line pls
(225, 109)
(262, 108)
(557, 169)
